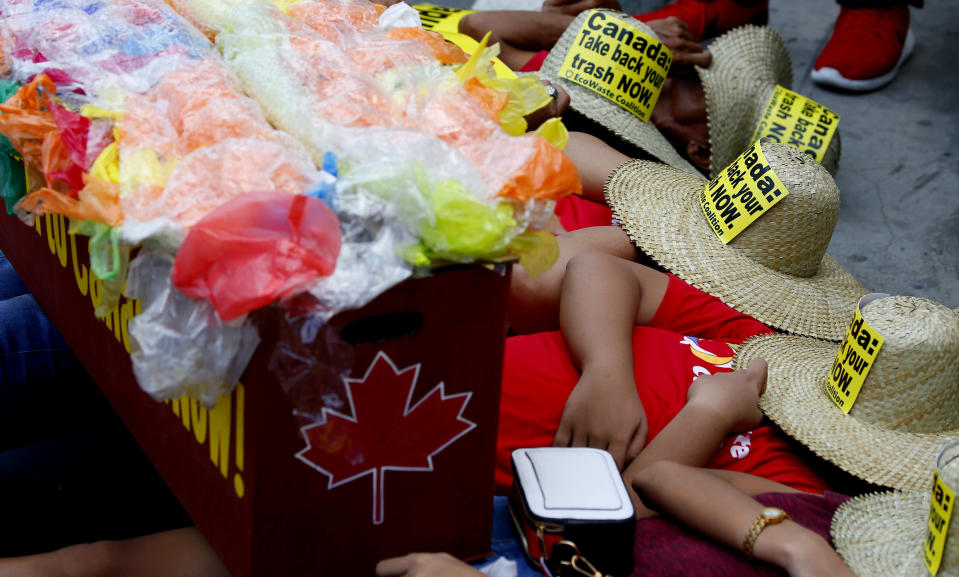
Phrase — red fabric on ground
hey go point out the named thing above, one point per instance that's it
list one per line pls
(665, 548)
(538, 376)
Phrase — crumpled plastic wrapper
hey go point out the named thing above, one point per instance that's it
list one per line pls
(180, 345)
(91, 46)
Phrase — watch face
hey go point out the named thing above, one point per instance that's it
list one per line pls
(773, 513)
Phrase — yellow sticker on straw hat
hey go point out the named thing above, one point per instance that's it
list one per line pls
(440, 18)
(741, 193)
(856, 355)
(940, 513)
(619, 61)
(798, 121)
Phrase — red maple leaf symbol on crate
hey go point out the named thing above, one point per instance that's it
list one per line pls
(383, 432)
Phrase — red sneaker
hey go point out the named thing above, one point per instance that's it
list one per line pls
(709, 18)
(866, 48)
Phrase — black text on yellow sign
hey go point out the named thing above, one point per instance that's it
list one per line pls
(441, 18)
(798, 121)
(741, 193)
(856, 355)
(618, 61)
(940, 512)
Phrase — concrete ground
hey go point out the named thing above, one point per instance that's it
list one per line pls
(898, 229)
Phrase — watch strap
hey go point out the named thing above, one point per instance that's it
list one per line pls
(761, 522)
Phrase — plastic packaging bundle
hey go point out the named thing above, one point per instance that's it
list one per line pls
(356, 76)
(279, 241)
(181, 345)
(89, 46)
(165, 137)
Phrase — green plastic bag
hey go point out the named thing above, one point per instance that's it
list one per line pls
(13, 183)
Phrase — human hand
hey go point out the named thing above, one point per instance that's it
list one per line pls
(554, 109)
(425, 565)
(733, 396)
(604, 415)
(675, 35)
(574, 7)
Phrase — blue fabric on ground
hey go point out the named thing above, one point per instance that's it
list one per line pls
(504, 541)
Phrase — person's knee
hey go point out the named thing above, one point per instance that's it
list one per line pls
(588, 263)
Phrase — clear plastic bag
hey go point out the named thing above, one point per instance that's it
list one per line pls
(181, 347)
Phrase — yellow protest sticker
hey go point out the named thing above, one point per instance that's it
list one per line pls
(856, 355)
(618, 61)
(940, 512)
(798, 121)
(440, 18)
(741, 193)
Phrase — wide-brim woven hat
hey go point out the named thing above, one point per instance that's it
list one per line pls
(776, 270)
(882, 534)
(605, 112)
(748, 62)
(906, 411)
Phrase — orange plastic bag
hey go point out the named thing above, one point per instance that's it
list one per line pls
(445, 52)
(257, 248)
(98, 201)
(26, 121)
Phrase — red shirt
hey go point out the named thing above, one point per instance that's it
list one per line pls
(539, 375)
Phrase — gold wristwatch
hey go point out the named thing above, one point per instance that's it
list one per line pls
(768, 516)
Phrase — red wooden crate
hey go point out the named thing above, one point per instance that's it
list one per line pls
(235, 467)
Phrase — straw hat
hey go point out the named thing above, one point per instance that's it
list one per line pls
(605, 112)
(776, 270)
(747, 64)
(906, 411)
(882, 534)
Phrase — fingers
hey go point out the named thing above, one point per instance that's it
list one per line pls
(618, 450)
(690, 53)
(637, 443)
(563, 435)
(758, 369)
(394, 567)
(561, 100)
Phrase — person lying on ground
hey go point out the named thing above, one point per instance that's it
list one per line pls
(798, 267)
(721, 506)
(524, 35)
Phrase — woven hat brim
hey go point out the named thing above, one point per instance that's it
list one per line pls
(881, 535)
(659, 209)
(797, 402)
(748, 62)
(605, 112)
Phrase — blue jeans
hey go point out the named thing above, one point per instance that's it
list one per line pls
(69, 470)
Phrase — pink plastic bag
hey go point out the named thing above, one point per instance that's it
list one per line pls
(256, 248)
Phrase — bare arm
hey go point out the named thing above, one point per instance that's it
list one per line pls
(595, 160)
(603, 297)
(574, 7)
(520, 34)
(716, 507)
(181, 552)
(716, 406)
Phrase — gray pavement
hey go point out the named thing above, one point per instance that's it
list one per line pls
(898, 229)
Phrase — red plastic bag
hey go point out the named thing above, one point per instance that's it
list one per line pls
(256, 248)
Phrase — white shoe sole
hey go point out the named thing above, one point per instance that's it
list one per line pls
(828, 76)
